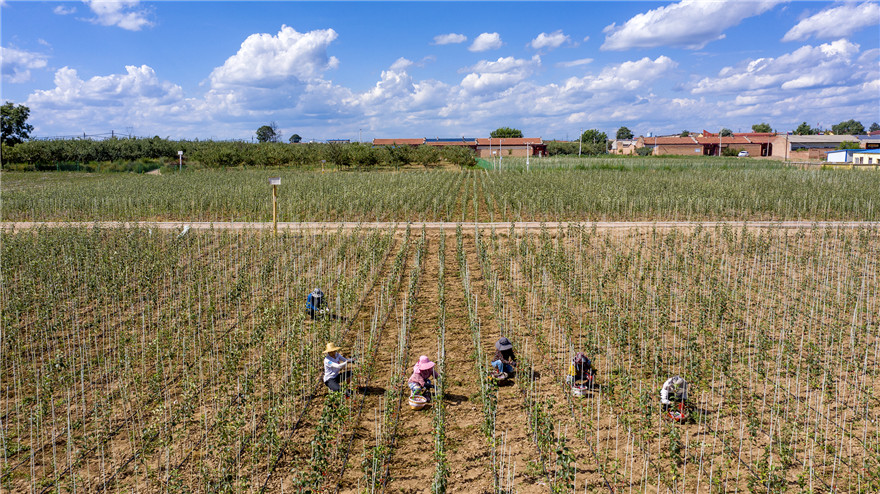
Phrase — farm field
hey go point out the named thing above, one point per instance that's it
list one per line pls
(558, 189)
(138, 360)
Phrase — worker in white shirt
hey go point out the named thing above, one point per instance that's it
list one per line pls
(335, 366)
(674, 391)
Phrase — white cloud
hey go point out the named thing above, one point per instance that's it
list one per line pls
(575, 63)
(631, 75)
(486, 41)
(448, 39)
(121, 13)
(62, 10)
(16, 65)
(808, 66)
(836, 22)
(137, 97)
(552, 40)
(689, 24)
(487, 75)
(267, 61)
(138, 86)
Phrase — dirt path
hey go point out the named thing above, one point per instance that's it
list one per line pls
(432, 225)
(369, 402)
(412, 466)
(511, 419)
(467, 449)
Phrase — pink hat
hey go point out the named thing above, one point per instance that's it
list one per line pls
(424, 364)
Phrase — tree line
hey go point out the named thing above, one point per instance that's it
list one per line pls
(73, 154)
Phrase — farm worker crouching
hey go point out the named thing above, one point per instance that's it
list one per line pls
(334, 363)
(315, 303)
(674, 391)
(580, 369)
(504, 359)
(420, 380)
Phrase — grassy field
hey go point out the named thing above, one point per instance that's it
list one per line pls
(555, 189)
(144, 360)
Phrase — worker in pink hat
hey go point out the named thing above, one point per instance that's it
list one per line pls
(423, 372)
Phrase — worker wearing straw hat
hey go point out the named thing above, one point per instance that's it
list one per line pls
(504, 359)
(420, 380)
(334, 363)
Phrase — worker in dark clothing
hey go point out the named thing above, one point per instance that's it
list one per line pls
(504, 359)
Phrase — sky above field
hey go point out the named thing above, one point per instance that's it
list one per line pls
(364, 70)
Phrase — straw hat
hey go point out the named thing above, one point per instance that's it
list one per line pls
(331, 348)
(424, 363)
(503, 344)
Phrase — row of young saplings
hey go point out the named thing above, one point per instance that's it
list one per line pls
(194, 299)
(323, 465)
(633, 295)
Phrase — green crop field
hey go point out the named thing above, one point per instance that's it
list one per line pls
(147, 360)
(557, 189)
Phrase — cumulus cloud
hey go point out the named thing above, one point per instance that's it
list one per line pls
(120, 13)
(112, 101)
(550, 41)
(448, 39)
(268, 61)
(16, 65)
(485, 42)
(397, 93)
(62, 10)
(631, 75)
(807, 67)
(836, 22)
(487, 75)
(690, 24)
(137, 86)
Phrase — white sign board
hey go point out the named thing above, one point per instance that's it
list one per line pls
(275, 181)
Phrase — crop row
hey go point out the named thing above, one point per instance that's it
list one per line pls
(690, 191)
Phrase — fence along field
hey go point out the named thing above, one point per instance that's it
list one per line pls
(571, 190)
(141, 360)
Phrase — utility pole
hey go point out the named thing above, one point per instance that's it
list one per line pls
(580, 142)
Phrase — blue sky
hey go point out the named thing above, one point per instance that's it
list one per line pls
(404, 69)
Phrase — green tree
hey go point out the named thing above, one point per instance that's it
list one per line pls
(762, 127)
(399, 155)
(266, 134)
(594, 142)
(684, 133)
(624, 133)
(725, 132)
(295, 139)
(505, 132)
(850, 127)
(427, 155)
(458, 155)
(874, 127)
(848, 145)
(804, 129)
(15, 128)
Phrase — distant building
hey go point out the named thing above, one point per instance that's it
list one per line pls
(709, 144)
(808, 147)
(870, 141)
(470, 142)
(866, 159)
(623, 146)
(338, 141)
(511, 146)
(840, 156)
(399, 142)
